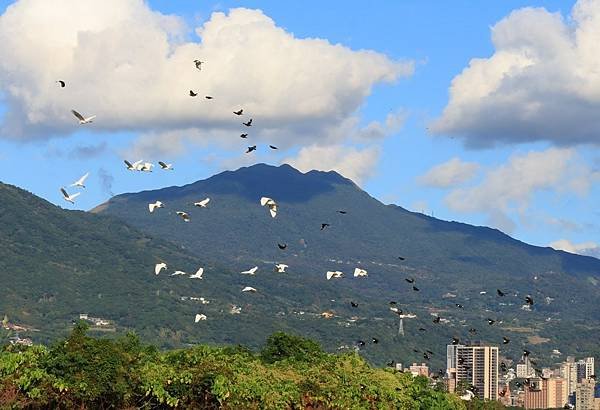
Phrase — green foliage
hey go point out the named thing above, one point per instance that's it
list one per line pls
(281, 346)
(290, 373)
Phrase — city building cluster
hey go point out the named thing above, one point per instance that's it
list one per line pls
(477, 370)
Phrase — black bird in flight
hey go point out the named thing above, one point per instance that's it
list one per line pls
(472, 330)
(393, 303)
(458, 305)
(243, 135)
(455, 340)
(436, 319)
(240, 112)
(491, 321)
(375, 340)
(526, 352)
(426, 356)
(422, 329)
(250, 149)
(273, 147)
(529, 300)
(416, 289)
(500, 293)
(505, 340)
(361, 343)
(249, 123)
(193, 94)
(208, 97)
(410, 280)
(61, 83)
(323, 226)
(343, 212)
(354, 304)
(282, 247)
(198, 64)
(416, 351)
(391, 364)
(401, 258)
(503, 366)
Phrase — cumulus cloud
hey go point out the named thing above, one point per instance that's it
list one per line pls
(356, 164)
(511, 186)
(585, 248)
(451, 173)
(541, 83)
(132, 67)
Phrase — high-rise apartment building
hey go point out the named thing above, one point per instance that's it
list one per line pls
(576, 371)
(558, 394)
(584, 395)
(568, 371)
(542, 393)
(476, 365)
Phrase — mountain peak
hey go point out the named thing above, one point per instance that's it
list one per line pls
(283, 171)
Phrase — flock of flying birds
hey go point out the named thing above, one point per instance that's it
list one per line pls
(141, 165)
(272, 206)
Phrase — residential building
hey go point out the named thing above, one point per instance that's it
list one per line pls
(568, 371)
(476, 365)
(536, 394)
(544, 393)
(558, 394)
(419, 370)
(584, 395)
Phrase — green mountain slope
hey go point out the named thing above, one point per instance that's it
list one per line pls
(445, 258)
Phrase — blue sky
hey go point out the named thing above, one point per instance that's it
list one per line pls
(539, 185)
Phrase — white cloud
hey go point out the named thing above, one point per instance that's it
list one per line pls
(511, 186)
(585, 248)
(451, 173)
(541, 83)
(353, 163)
(131, 66)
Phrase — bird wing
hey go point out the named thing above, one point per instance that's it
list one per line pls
(73, 196)
(162, 164)
(65, 194)
(200, 272)
(89, 119)
(264, 200)
(204, 202)
(136, 164)
(159, 267)
(79, 116)
(81, 180)
(330, 275)
(128, 163)
(151, 207)
(273, 211)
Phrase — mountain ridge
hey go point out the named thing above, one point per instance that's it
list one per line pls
(451, 263)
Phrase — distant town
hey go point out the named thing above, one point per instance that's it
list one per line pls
(476, 370)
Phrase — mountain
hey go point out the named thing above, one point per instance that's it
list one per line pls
(56, 264)
(451, 262)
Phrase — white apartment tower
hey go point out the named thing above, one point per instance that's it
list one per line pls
(476, 365)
